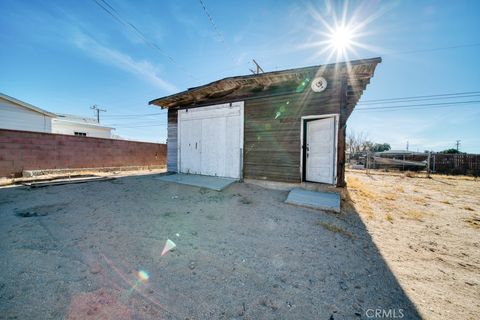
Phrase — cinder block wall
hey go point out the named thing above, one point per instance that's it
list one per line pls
(23, 150)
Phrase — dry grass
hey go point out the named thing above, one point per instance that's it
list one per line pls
(390, 197)
(333, 228)
(474, 222)
(414, 214)
(410, 174)
(361, 196)
(427, 230)
(419, 200)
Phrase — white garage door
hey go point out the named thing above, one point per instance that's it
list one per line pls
(211, 140)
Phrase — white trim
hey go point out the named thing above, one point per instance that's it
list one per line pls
(323, 116)
(242, 139)
(179, 169)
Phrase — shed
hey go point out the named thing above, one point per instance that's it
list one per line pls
(286, 126)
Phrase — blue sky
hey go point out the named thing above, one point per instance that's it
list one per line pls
(65, 56)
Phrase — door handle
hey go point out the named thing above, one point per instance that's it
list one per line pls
(196, 145)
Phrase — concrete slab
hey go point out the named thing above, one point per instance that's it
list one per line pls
(209, 182)
(314, 199)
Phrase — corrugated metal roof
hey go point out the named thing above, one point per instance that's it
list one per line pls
(357, 73)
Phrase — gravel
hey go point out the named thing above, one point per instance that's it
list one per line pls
(240, 254)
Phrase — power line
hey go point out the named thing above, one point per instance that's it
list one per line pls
(427, 97)
(425, 104)
(145, 126)
(419, 100)
(219, 34)
(129, 116)
(402, 109)
(136, 123)
(116, 15)
(466, 45)
(417, 106)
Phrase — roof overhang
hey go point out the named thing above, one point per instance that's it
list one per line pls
(357, 74)
(79, 123)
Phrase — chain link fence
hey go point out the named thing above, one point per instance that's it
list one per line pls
(430, 162)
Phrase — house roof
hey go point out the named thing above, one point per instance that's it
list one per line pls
(357, 74)
(26, 105)
(91, 122)
(73, 119)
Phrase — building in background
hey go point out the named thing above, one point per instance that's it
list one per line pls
(79, 126)
(18, 115)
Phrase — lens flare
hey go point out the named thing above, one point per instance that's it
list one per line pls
(169, 245)
(143, 275)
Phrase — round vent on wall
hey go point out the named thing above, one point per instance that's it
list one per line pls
(319, 84)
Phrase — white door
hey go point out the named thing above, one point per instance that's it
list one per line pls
(211, 140)
(320, 150)
(191, 148)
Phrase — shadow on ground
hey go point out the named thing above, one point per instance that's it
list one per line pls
(74, 252)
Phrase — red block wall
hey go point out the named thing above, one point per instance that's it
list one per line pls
(23, 150)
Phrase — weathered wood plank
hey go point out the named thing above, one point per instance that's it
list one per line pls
(272, 146)
(172, 142)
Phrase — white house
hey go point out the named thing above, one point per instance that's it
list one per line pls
(79, 126)
(19, 115)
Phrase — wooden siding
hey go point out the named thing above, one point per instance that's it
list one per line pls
(272, 146)
(172, 142)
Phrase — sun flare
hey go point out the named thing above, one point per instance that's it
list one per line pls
(341, 39)
(340, 31)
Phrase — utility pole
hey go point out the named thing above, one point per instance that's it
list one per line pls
(428, 163)
(407, 145)
(95, 109)
(458, 144)
(258, 68)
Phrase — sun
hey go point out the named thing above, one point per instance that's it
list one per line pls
(341, 39)
(340, 31)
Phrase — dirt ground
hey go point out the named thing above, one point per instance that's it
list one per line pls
(76, 251)
(428, 231)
